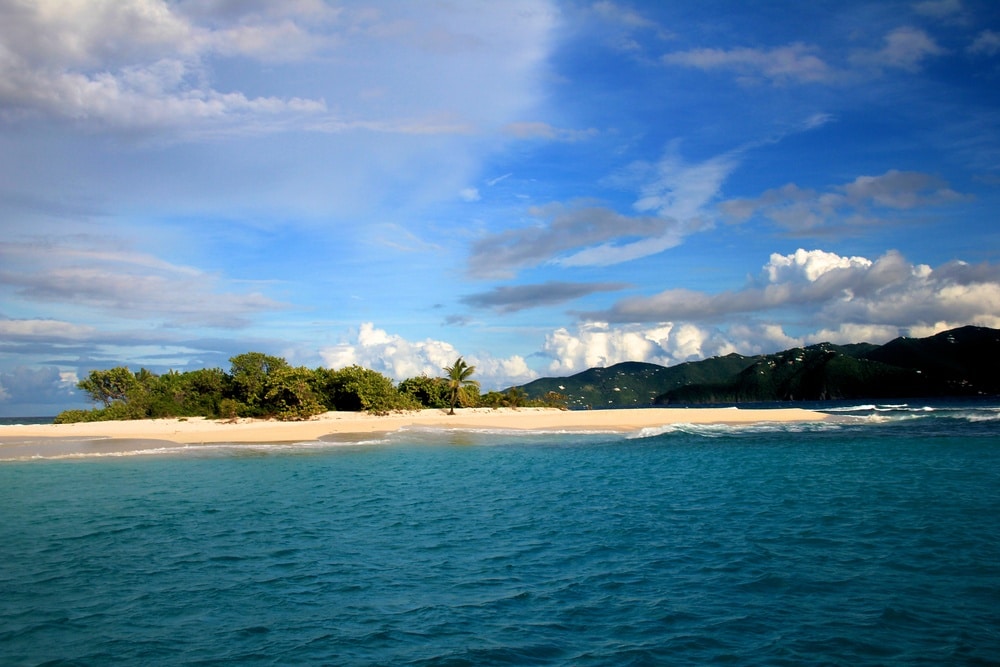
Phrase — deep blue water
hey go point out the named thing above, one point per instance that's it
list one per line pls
(871, 542)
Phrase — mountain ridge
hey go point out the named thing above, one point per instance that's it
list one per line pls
(964, 361)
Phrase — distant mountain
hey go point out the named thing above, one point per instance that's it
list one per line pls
(634, 383)
(960, 362)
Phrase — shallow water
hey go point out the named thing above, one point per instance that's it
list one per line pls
(873, 541)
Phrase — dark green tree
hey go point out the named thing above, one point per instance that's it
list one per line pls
(430, 392)
(516, 398)
(356, 388)
(202, 391)
(289, 394)
(109, 386)
(249, 374)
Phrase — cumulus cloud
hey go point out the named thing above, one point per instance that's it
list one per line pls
(509, 299)
(124, 284)
(795, 63)
(399, 358)
(830, 289)
(865, 200)
(599, 344)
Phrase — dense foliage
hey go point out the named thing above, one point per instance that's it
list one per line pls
(264, 386)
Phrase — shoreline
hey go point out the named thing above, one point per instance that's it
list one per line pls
(199, 430)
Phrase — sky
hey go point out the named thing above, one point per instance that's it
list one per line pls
(538, 186)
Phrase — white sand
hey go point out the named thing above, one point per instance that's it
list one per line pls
(204, 431)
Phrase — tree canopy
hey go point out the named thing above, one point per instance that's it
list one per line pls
(264, 386)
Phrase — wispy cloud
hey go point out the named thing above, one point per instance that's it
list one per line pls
(125, 284)
(42, 330)
(938, 8)
(792, 63)
(509, 299)
(540, 130)
(561, 229)
(987, 43)
(904, 48)
(864, 201)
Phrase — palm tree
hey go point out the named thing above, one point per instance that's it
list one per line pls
(458, 379)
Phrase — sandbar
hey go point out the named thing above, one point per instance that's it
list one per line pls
(197, 430)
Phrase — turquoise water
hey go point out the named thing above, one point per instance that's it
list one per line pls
(870, 542)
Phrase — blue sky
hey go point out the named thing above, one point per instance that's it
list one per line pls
(541, 187)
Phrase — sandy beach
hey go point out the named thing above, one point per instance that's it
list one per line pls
(198, 430)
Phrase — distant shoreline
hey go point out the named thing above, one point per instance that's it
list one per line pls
(198, 430)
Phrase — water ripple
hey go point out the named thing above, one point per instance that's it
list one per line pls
(751, 546)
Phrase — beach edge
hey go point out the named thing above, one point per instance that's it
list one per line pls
(197, 430)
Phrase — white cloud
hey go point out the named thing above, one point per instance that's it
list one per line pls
(152, 65)
(134, 64)
(811, 265)
(598, 344)
(832, 290)
(399, 358)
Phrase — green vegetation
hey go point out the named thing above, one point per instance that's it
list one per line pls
(264, 386)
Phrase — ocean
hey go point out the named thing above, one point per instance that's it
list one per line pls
(874, 540)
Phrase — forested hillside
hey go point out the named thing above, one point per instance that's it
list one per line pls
(960, 362)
